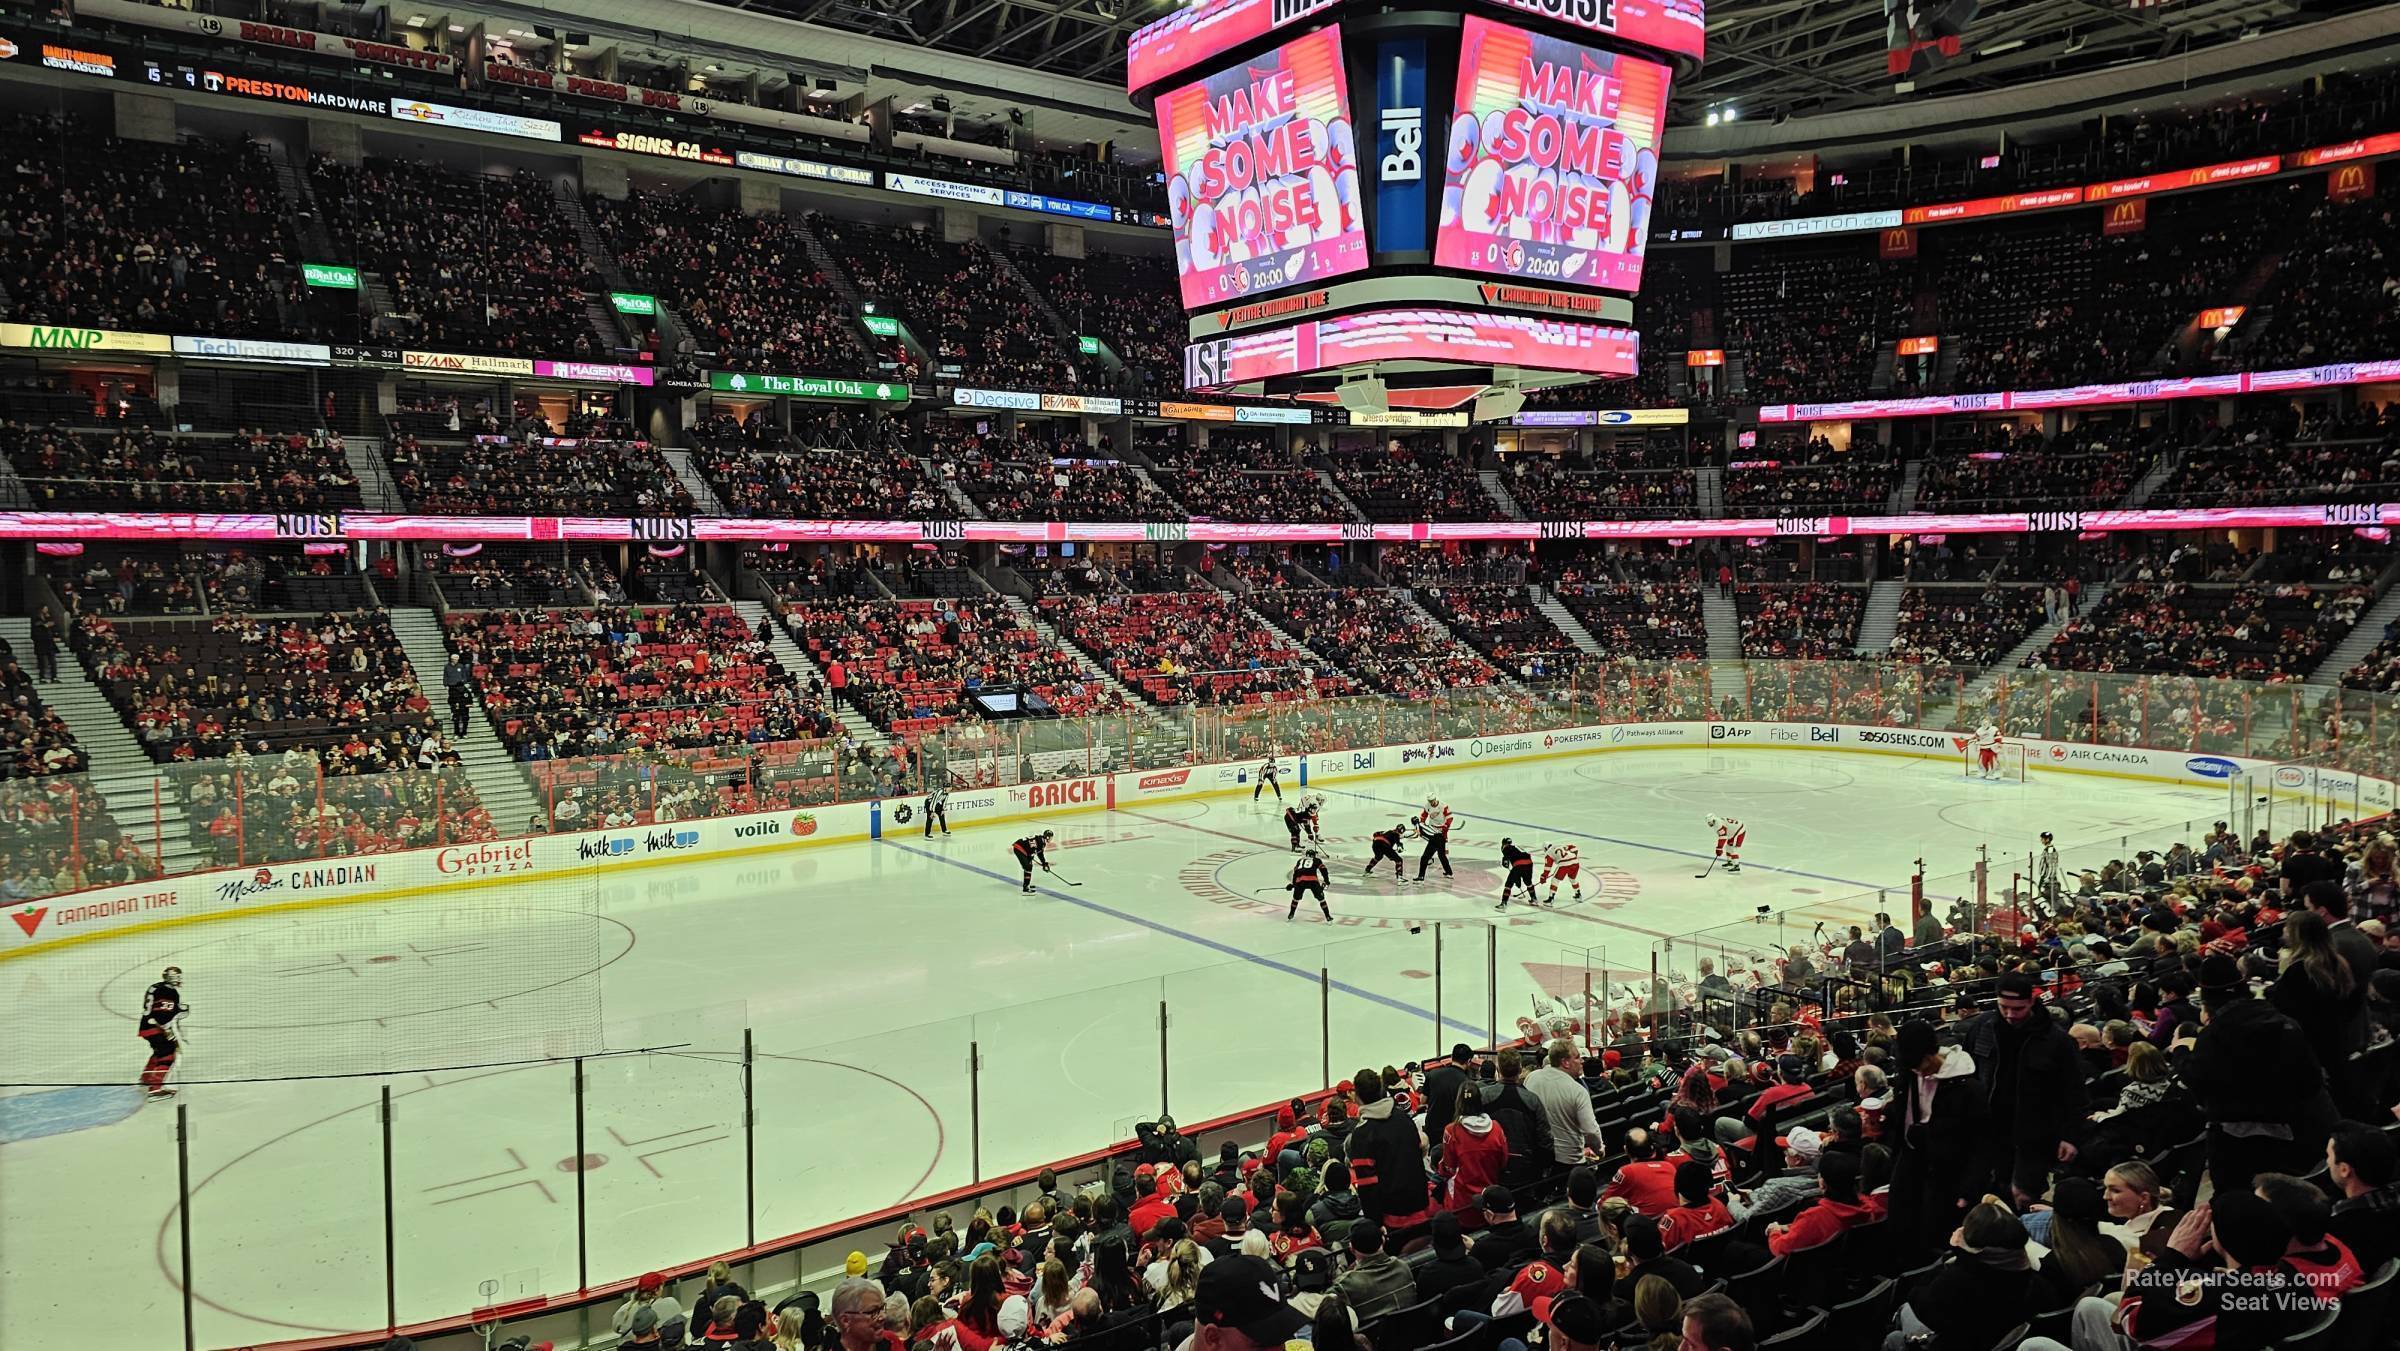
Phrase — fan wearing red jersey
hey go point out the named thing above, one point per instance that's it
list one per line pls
(1561, 863)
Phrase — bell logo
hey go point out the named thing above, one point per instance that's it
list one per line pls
(1071, 793)
(30, 918)
(1406, 163)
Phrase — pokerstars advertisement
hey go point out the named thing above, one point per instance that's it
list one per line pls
(1262, 174)
(1552, 158)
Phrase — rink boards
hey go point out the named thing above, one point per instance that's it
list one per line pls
(226, 893)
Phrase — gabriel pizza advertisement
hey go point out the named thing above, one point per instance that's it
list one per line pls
(1262, 173)
(1552, 159)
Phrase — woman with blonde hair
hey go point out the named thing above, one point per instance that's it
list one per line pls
(787, 1331)
(2139, 1215)
(1183, 1276)
(1659, 1310)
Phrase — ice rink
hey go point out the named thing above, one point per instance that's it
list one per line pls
(866, 974)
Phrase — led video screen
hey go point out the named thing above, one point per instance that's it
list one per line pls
(1551, 161)
(1262, 173)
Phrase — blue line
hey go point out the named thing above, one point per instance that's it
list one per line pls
(1660, 848)
(1171, 931)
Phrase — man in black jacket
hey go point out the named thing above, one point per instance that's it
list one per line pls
(2361, 1163)
(1442, 1082)
(1387, 1158)
(2257, 1081)
(1520, 1117)
(1933, 1125)
(1508, 1244)
(2033, 1083)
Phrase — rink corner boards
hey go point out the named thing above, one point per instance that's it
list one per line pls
(285, 888)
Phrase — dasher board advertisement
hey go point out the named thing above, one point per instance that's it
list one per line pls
(1262, 174)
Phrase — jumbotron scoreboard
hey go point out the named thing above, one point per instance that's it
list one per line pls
(1411, 205)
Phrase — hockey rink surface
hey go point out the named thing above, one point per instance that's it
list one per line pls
(866, 972)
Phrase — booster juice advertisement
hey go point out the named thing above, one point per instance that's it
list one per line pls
(1262, 174)
(1552, 160)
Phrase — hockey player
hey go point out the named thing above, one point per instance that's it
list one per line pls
(1561, 863)
(161, 1006)
(1987, 749)
(1433, 826)
(1520, 873)
(937, 807)
(1387, 845)
(1033, 850)
(1729, 841)
(1301, 820)
(1269, 776)
(1308, 874)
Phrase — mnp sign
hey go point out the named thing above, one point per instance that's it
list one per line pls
(1400, 145)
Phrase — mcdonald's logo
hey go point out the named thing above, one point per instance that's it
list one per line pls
(2128, 217)
(2350, 182)
(1897, 242)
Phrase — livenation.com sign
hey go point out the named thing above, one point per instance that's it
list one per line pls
(1262, 173)
(87, 525)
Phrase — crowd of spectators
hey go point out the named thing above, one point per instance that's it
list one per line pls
(566, 684)
(1191, 647)
(745, 285)
(478, 262)
(1961, 626)
(146, 238)
(1803, 620)
(830, 466)
(1130, 301)
(503, 576)
(2247, 631)
(1413, 480)
(1378, 638)
(1242, 477)
(2274, 457)
(143, 469)
(1025, 480)
(1503, 624)
(1646, 620)
(1854, 484)
(2016, 469)
(1548, 487)
(1807, 320)
(567, 476)
(193, 689)
(2336, 291)
(914, 667)
(34, 740)
(966, 309)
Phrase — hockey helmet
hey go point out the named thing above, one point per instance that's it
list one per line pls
(1713, 823)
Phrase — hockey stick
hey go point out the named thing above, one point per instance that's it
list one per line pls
(1054, 873)
(1712, 867)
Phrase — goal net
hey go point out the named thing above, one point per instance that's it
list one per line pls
(2008, 762)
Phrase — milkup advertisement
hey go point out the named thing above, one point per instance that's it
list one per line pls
(1553, 155)
(1262, 174)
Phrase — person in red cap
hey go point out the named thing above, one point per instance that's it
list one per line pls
(650, 1292)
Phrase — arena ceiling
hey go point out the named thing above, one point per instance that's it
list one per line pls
(1768, 58)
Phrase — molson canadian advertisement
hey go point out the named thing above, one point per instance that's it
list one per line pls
(1553, 156)
(1262, 174)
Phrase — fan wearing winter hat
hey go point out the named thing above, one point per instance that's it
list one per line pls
(1239, 1307)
